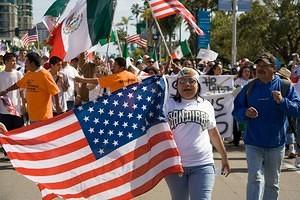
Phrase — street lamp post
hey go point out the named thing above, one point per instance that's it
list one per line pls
(234, 22)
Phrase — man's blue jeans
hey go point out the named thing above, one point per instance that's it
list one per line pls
(263, 172)
(195, 184)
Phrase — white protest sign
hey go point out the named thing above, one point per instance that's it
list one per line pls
(208, 55)
(216, 84)
(223, 105)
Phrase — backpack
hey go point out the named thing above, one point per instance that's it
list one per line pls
(284, 87)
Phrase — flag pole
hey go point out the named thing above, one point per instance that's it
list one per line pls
(37, 33)
(160, 32)
(114, 5)
(118, 42)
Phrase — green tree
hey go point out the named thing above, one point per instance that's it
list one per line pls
(221, 35)
(284, 34)
(136, 10)
(168, 26)
(252, 28)
(273, 27)
(124, 23)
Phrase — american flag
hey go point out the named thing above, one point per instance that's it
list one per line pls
(30, 36)
(8, 104)
(116, 147)
(165, 8)
(136, 38)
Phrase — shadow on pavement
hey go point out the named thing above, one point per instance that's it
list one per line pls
(6, 167)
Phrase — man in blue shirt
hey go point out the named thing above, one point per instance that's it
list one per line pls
(264, 109)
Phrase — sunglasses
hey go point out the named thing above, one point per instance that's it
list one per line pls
(190, 81)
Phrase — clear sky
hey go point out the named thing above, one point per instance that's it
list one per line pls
(123, 9)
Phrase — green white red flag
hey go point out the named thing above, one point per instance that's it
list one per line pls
(53, 13)
(81, 26)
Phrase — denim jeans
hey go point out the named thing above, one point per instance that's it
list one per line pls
(298, 136)
(263, 172)
(195, 184)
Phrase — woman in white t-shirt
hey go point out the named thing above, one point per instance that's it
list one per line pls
(244, 76)
(193, 124)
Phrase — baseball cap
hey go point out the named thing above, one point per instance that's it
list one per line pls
(267, 58)
(188, 72)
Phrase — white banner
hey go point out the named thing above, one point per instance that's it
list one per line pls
(208, 55)
(223, 105)
(217, 90)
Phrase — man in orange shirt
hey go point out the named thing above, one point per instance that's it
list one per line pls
(40, 87)
(119, 79)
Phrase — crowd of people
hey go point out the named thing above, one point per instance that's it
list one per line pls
(35, 88)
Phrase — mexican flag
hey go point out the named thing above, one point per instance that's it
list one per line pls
(153, 55)
(182, 50)
(81, 27)
(112, 38)
(52, 14)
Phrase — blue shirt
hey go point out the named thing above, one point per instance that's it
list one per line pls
(269, 128)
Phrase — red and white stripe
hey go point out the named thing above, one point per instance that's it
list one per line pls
(27, 39)
(57, 156)
(165, 8)
(136, 38)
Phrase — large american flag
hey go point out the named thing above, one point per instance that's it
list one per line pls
(116, 147)
(165, 8)
(136, 38)
(30, 36)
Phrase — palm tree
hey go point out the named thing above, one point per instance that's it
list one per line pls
(124, 23)
(136, 10)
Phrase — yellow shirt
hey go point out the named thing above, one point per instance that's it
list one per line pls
(117, 81)
(40, 86)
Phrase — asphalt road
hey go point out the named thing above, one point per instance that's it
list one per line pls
(15, 187)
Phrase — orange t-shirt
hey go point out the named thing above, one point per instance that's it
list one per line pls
(40, 86)
(117, 81)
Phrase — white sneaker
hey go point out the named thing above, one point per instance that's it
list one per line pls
(297, 162)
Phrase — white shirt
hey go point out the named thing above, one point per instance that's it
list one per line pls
(7, 79)
(241, 82)
(62, 93)
(71, 73)
(190, 121)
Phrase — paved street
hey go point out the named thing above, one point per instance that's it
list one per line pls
(14, 187)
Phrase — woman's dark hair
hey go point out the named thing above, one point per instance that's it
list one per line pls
(8, 56)
(34, 58)
(240, 73)
(211, 70)
(177, 96)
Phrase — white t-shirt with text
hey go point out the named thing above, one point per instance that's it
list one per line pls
(190, 121)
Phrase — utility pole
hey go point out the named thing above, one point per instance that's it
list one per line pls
(234, 22)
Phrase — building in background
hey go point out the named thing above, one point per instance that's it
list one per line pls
(42, 32)
(15, 18)
(25, 16)
(8, 19)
